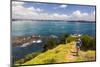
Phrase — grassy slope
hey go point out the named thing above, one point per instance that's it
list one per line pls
(62, 53)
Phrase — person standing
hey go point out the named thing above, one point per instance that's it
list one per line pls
(78, 45)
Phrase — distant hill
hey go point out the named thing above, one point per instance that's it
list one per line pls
(52, 20)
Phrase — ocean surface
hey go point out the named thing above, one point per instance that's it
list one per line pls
(46, 28)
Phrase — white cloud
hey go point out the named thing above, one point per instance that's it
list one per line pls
(63, 6)
(17, 3)
(78, 15)
(34, 9)
(21, 12)
(57, 16)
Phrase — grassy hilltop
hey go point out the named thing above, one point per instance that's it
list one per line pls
(62, 53)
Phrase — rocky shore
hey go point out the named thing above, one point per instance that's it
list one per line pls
(18, 41)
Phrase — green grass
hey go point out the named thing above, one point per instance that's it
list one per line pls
(62, 53)
(86, 56)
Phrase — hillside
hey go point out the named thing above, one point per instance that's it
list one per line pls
(62, 53)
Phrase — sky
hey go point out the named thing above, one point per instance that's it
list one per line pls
(47, 11)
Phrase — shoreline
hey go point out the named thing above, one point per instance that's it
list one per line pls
(21, 40)
(46, 43)
(27, 40)
(18, 41)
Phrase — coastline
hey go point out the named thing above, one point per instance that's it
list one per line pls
(20, 40)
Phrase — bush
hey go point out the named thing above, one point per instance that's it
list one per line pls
(70, 39)
(93, 44)
(63, 38)
(88, 43)
(51, 43)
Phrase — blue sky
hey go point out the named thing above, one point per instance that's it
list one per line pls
(51, 11)
(69, 9)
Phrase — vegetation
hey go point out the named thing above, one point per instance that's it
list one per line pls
(52, 43)
(63, 52)
(27, 58)
(63, 38)
(88, 43)
(70, 39)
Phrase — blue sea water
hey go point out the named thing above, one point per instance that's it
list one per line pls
(47, 28)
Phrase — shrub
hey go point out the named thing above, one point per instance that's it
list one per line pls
(63, 38)
(93, 44)
(88, 43)
(51, 43)
(70, 39)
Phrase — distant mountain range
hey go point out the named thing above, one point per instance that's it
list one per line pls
(52, 20)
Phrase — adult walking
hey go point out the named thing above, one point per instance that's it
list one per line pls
(78, 45)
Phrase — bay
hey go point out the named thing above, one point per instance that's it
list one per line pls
(47, 28)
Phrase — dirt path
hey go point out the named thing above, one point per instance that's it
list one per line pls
(72, 54)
